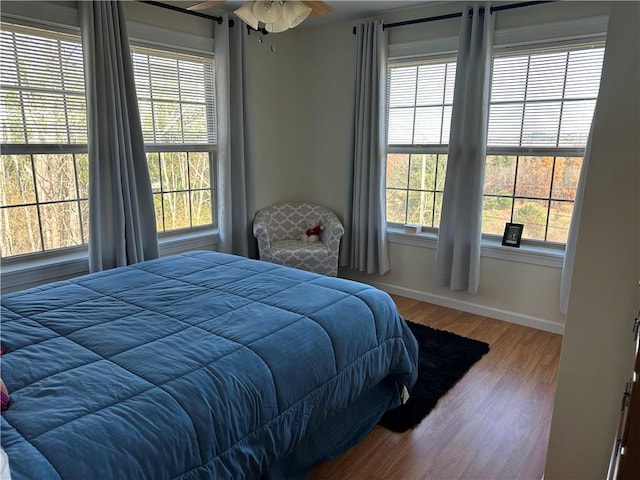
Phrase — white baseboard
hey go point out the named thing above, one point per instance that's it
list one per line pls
(497, 313)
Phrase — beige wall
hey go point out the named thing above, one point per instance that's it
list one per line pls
(272, 124)
(598, 346)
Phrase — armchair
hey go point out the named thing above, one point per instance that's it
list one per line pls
(279, 228)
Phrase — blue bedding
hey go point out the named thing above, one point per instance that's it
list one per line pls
(201, 365)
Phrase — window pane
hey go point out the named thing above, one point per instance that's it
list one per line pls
(565, 178)
(167, 122)
(157, 203)
(546, 76)
(55, 178)
(60, 225)
(576, 123)
(402, 86)
(496, 211)
(20, 232)
(16, 181)
(450, 83)
(397, 170)
(193, 77)
(534, 177)
(509, 79)
(400, 126)
(84, 218)
(505, 124)
(442, 172)
(199, 174)
(201, 207)
(153, 162)
(541, 121)
(428, 125)
(499, 176)
(559, 221)
(194, 120)
(533, 213)
(446, 125)
(396, 205)
(420, 208)
(82, 168)
(437, 210)
(431, 84)
(176, 210)
(174, 171)
(583, 73)
(423, 172)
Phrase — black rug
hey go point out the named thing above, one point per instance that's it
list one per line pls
(443, 360)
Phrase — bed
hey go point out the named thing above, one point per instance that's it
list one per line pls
(200, 365)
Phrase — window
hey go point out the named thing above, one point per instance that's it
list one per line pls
(44, 169)
(177, 111)
(542, 104)
(541, 107)
(420, 99)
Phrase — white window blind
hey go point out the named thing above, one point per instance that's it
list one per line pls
(420, 99)
(175, 96)
(42, 85)
(544, 98)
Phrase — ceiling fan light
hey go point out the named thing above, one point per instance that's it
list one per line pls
(279, 26)
(267, 11)
(295, 13)
(245, 13)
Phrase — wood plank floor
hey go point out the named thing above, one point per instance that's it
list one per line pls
(494, 424)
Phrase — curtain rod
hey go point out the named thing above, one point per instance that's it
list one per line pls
(184, 10)
(459, 14)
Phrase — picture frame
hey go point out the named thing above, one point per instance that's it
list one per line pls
(512, 234)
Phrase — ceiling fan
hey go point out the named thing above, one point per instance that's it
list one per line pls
(273, 15)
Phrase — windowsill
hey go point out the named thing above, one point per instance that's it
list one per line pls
(533, 254)
(35, 270)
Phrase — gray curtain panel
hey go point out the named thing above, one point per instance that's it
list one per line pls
(236, 204)
(365, 242)
(122, 224)
(572, 239)
(460, 232)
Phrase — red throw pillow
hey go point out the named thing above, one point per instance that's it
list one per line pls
(4, 396)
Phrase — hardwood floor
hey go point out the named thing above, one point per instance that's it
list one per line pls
(494, 424)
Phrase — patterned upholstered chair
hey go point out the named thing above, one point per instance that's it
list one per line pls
(279, 229)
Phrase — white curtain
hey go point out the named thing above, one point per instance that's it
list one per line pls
(572, 239)
(365, 243)
(460, 232)
(122, 224)
(236, 203)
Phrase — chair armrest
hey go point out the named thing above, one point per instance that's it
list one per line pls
(332, 233)
(261, 233)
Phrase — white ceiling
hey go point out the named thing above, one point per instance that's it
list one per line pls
(343, 10)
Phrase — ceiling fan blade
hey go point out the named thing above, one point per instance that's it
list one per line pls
(205, 5)
(318, 8)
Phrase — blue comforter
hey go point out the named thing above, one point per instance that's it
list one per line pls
(201, 365)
